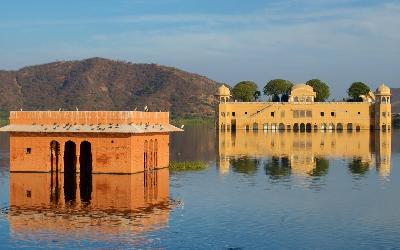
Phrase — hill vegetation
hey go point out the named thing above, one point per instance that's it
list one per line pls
(102, 84)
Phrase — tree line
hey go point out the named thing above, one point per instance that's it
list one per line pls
(279, 89)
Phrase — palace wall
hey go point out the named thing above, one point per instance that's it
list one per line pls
(256, 115)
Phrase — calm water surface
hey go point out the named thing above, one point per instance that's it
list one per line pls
(261, 190)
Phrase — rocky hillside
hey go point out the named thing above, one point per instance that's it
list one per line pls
(102, 84)
(395, 100)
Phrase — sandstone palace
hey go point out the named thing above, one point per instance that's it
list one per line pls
(302, 113)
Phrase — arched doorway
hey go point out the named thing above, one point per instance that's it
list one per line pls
(323, 127)
(281, 126)
(54, 155)
(296, 127)
(358, 128)
(339, 127)
(308, 127)
(70, 171)
(85, 176)
(302, 127)
(315, 127)
(255, 126)
(54, 168)
(350, 127)
(331, 126)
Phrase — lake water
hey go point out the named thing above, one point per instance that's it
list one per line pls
(318, 190)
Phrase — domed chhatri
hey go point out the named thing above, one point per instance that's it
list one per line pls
(223, 93)
(302, 93)
(302, 113)
(383, 90)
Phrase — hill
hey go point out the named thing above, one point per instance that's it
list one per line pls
(102, 84)
(395, 100)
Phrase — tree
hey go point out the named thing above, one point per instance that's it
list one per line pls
(278, 88)
(257, 95)
(356, 89)
(321, 88)
(245, 91)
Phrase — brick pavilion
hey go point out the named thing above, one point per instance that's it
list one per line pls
(122, 142)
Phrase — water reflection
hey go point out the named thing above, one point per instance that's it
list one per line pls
(306, 155)
(113, 205)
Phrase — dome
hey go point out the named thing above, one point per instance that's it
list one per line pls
(224, 91)
(302, 86)
(383, 90)
(302, 90)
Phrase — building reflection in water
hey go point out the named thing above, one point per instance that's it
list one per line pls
(286, 154)
(107, 204)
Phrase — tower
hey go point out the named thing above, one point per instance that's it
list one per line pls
(221, 112)
(383, 108)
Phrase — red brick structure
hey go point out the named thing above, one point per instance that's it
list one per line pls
(88, 141)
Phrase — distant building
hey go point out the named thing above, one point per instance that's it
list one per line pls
(88, 141)
(302, 113)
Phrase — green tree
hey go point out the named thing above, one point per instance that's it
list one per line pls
(245, 165)
(278, 168)
(245, 91)
(278, 89)
(321, 88)
(356, 89)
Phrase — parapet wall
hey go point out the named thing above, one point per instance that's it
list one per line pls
(87, 117)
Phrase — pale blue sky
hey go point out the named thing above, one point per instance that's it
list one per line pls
(339, 41)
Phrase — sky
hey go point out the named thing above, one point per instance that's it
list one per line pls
(337, 41)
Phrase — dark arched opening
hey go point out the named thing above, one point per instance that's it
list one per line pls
(255, 126)
(358, 128)
(54, 163)
(70, 172)
(339, 127)
(85, 162)
(350, 127)
(233, 126)
(315, 127)
(54, 155)
(281, 126)
(308, 127)
(383, 127)
(296, 127)
(302, 127)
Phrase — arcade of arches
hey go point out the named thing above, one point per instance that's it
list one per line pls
(70, 155)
